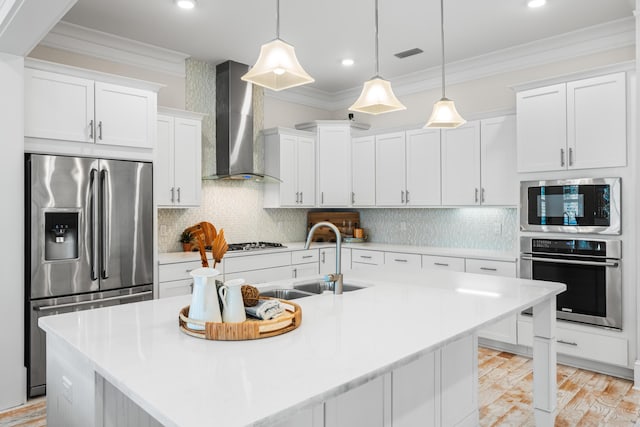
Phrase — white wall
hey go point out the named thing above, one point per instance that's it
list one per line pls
(12, 372)
(172, 95)
(287, 114)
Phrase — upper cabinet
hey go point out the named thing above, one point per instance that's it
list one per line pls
(461, 165)
(178, 158)
(575, 125)
(390, 169)
(289, 156)
(334, 165)
(498, 176)
(74, 108)
(363, 171)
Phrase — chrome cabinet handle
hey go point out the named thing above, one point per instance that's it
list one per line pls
(402, 196)
(482, 195)
(442, 264)
(575, 344)
(191, 286)
(295, 273)
(570, 156)
(365, 256)
(94, 224)
(562, 157)
(353, 197)
(566, 261)
(178, 194)
(100, 130)
(307, 256)
(323, 256)
(297, 197)
(301, 197)
(488, 269)
(91, 129)
(407, 197)
(189, 270)
(173, 195)
(322, 197)
(400, 260)
(476, 197)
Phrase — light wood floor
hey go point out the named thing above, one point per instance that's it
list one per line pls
(585, 398)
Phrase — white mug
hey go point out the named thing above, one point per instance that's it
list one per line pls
(204, 301)
(232, 303)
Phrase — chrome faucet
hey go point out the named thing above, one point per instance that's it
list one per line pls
(336, 278)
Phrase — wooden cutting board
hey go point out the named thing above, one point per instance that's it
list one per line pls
(339, 219)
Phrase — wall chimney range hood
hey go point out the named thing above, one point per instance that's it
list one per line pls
(234, 126)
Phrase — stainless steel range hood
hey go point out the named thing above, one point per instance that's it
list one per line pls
(234, 125)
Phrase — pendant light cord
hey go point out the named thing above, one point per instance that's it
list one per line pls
(441, 39)
(377, 60)
(278, 19)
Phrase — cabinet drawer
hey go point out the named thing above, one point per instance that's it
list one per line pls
(581, 344)
(410, 261)
(367, 257)
(256, 262)
(262, 275)
(174, 288)
(303, 257)
(303, 270)
(177, 271)
(443, 262)
(495, 268)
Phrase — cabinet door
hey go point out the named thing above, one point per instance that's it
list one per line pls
(390, 169)
(328, 260)
(597, 122)
(542, 128)
(423, 167)
(459, 367)
(442, 262)
(188, 179)
(175, 288)
(415, 393)
(361, 406)
(407, 262)
(164, 164)
(306, 171)
(58, 106)
(498, 161)
(125, 116)
(461, 165)
(289, 193)
(363, 171)
(304, 270)
(334, 160)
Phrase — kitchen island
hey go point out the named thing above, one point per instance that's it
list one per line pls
(402, 350)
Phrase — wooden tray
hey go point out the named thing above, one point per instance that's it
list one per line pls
(324, 234)
(251, 329)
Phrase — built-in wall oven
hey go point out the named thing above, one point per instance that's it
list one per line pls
(591, 269)
(590, 205)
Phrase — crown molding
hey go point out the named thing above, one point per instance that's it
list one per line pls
(82, 40)
(599, 38)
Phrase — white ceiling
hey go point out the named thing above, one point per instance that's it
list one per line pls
(325, 31)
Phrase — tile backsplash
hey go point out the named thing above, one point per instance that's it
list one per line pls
(237, 206)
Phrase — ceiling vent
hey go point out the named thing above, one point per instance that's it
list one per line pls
(407, 53)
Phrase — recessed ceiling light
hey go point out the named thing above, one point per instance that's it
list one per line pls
(186, 4)
(347, 62)
(536, 3)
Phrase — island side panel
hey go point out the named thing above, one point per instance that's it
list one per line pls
(544, 362)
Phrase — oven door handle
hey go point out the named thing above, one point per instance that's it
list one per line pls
(93, 301)
(566, 261)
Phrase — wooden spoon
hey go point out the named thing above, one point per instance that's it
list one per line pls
(219, 248)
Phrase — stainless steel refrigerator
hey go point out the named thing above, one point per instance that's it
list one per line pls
(89, 242)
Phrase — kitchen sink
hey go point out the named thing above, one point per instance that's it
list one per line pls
(319, 286)
(286, 293)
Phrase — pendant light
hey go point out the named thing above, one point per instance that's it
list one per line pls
(377, 96)
(444, 114)
(277, 67)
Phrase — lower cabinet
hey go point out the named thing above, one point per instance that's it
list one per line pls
(403, 261)
(438, 389)
(328, 260)
(174, 279)
(443, 262)
(363, 259)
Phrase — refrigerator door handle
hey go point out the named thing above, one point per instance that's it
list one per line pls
(94, 224)
(106, 220)
(94, 301)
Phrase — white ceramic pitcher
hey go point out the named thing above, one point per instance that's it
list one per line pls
(204, 301)
(232, 303)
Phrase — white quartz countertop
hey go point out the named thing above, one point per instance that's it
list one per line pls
(173, 257)
(343, 341)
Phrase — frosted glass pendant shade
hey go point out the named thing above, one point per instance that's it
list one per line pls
(277, 67)
(445, 115)
(376, 98)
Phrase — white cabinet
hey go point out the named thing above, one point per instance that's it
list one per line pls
(363, 171)
(361, 406)
(178, 159)
(71, 108)
(403, 261)
(408, 168)
(498, 176)
(414, 395)
(504, 330)
(304, 263)
(334, 165)
(459, 373)
(461, 165)
(328, 260)
(575, 125)
(290, 156)
(174, 279)
(362, 259)
(443, 262)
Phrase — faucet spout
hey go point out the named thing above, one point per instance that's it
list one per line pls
(337, 277)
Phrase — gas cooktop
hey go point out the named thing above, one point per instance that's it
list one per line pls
(252, 246)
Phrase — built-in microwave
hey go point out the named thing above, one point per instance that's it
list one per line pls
(590, 205)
